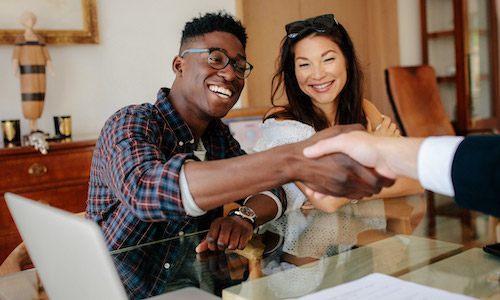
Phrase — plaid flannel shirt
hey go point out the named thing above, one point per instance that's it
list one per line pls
(134, 193)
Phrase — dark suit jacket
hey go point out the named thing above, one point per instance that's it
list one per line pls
(476, 174)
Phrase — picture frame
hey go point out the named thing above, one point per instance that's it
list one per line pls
(88, 35)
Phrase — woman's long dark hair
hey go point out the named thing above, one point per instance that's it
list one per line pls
(300, 106)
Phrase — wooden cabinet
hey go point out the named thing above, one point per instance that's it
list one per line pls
(459, 39)
(59, 178)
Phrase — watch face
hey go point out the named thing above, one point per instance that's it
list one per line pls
(248, 212)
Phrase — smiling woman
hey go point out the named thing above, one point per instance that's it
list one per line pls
(373, 26)
(319, 70)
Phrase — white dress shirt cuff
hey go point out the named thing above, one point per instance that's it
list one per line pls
(187, 199)
(435, 159)
(272, 196)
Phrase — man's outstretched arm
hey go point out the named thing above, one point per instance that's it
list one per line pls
(214, 183)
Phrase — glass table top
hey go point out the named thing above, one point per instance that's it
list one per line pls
(302, 252)
(473, 272)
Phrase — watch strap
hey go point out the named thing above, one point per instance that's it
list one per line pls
(237, 212)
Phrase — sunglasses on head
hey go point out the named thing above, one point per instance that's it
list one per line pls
(320, 24)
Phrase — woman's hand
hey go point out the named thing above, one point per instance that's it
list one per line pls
(386, 128)
(327, 204)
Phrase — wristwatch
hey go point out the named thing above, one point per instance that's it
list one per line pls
(246, 213)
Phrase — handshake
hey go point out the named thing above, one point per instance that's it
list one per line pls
(354, 164)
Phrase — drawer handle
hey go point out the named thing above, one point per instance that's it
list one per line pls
(37, 169)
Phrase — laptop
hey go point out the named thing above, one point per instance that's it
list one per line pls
(70, 254)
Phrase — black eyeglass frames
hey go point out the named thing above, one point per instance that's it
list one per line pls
(218, 60)
(320, 24)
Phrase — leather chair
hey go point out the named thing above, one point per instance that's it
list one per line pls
(414, 96)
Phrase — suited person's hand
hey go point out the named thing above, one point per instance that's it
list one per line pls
(337, 174)
(361, 146)
(231, 232)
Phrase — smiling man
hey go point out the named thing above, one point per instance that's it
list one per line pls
(165, 169)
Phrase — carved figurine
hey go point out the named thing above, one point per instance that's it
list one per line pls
(31, 58)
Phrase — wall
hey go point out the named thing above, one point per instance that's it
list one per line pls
(133, 60)
(410, 44)
(138, 42)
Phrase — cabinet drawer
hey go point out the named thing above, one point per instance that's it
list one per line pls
(8, 243)
(71, 198)
(59, 178)
(35, 169)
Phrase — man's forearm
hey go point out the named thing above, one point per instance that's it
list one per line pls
(260, 204)
(215, 183)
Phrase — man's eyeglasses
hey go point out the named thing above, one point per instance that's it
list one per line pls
(319, 23)
(218, 60)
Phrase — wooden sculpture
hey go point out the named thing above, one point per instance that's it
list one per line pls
(31, 58)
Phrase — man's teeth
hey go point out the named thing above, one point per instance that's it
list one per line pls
(223, 93)
(321, 86)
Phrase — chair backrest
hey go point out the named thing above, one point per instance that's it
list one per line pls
(414, 95)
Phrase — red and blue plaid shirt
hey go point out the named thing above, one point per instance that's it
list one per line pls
(134, 192)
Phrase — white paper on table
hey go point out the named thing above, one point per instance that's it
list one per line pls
(381, 286)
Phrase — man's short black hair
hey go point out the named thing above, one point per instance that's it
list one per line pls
(211, 22)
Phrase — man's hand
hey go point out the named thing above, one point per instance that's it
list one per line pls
(389, 156)
(216, 263)
(231, 232)
(337, 174)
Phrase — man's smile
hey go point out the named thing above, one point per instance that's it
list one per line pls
(221, 91)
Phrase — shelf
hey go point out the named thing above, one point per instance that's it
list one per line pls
(482, 32)
(441, 34)
(484, 76)
(451, 78)
(247, 112)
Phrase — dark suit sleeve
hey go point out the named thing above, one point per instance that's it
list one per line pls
(476, 174)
